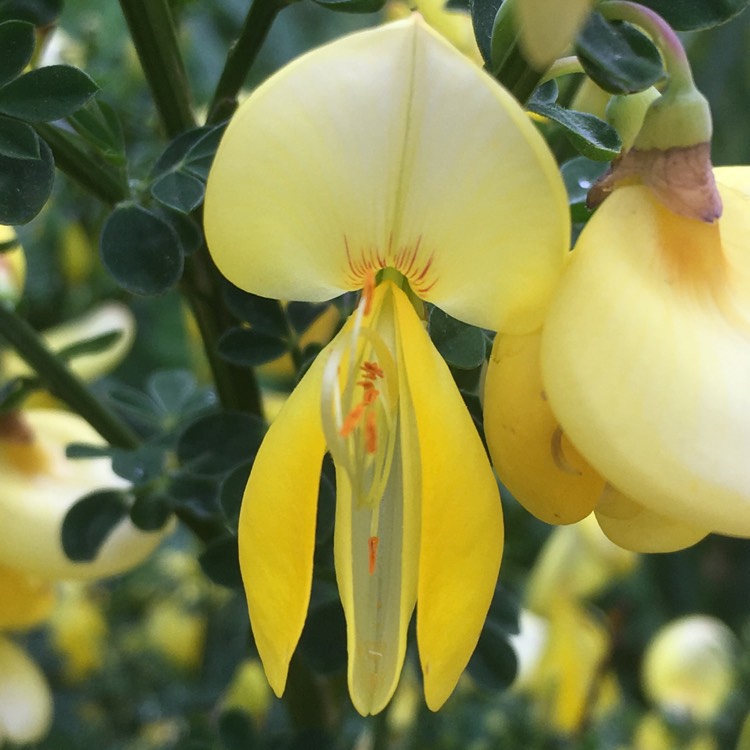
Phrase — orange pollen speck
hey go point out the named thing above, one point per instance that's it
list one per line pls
(372, 370)
(371, 433)
(352, 419)
(372, 545)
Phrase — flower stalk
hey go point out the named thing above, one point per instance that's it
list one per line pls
(62, 382)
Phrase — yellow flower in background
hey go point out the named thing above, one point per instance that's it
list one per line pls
(12, 267)
(563, 646)
(108, 317)
(79, 631)
(689, 667)
(549, 27)
(451, 23)
(349, 170)
(646, 359)
(40, 484)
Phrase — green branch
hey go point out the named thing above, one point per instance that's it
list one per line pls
(155, 39)
(78, 164)
(241, 57)
(63, 383)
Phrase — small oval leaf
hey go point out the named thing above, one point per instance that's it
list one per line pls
(18, 140)
(90, 521)
(25, 185)
(248, 348)
(140, 250)
(48, 93)
(460, 344)
(17, 43)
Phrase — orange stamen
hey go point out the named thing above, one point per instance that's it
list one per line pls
(352, 420)
(370, 395)
(368, 290)
(372, 370)
(372, 546)
(371, 433)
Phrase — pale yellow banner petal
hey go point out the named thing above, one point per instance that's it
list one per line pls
(355, 158)
(277, 526)
(531, 455)
(462, 523)
(310, 165)
(646, 356)
(633, 526)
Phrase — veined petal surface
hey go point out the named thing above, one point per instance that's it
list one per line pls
(531, 454)
(355, 157)
(462, 524)
(277, 526)
(646, 355)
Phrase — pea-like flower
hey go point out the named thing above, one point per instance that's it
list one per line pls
(385, 162)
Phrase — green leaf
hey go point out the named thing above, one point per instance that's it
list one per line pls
(142, 465)
(248, 348)
(232, 491)
(263, 314)
(352, 6)
(18, 140)
(494, 663)
(323, 640)
(93, 345)
(617, 57)
(303, 314)
(83, 450)
(38, 12)
(134, 406)
(46, 94)
(17, 43)
(579, 175)
(688, 15)
(16, 391)
(460, 345)
(89, 522)
(98, 124)
(25, 185)
(220, 561)
(179, 191)
(141, 251)
(483, 13)
(187, 230)
(217, 443)
(200, 156)
(172, 390)
(151, 512)
(175, 153)
(197, 494)
(591, 136)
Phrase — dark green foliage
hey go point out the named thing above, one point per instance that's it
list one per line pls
(461, 345)
(90, 521)
(686, 15)
(249, 348)
(617, 57)
(17, 43)
(25, 185)
(141, 250)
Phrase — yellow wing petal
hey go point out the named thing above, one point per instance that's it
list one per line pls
(277, 526)
(462, 524)
(646, 356)
(633, 526)
(532, 457)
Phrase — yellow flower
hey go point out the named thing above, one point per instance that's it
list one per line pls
(39, 485)
(352, 169)
(646, 358)
(637, 410)
(548, 27)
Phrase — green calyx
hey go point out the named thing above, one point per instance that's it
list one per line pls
(625, 113)
(679, 118)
